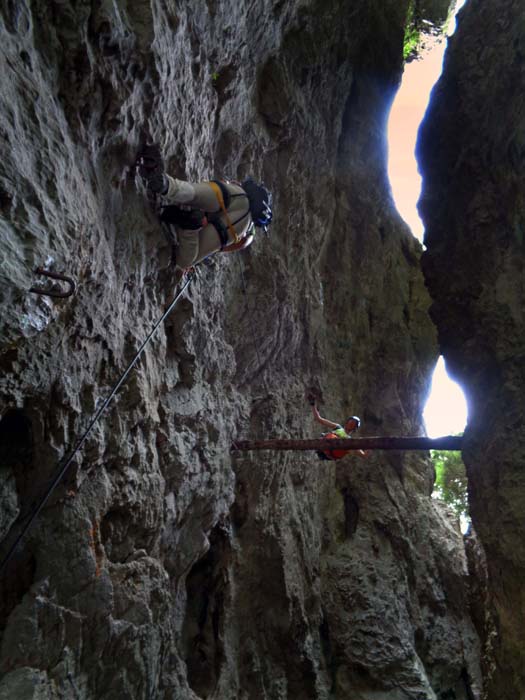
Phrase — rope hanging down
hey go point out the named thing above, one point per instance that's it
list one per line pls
(69, 458)
(449, 442)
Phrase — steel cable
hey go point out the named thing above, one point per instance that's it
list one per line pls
(68, 460)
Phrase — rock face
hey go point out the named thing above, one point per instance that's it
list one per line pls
(434, 11)
(164, 566)
(472, 151)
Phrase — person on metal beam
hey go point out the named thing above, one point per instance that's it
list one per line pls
(336, 430)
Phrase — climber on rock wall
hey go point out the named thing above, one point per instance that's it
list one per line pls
(209, 216)
(336, 430)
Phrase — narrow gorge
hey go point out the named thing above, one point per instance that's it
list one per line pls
(165, 566)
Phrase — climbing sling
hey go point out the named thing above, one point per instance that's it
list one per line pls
(62, 468)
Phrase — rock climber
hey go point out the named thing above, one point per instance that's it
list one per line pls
(209, 216)
(336, 430)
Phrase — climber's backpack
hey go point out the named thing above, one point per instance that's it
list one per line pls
(191, 219)
(260, 202)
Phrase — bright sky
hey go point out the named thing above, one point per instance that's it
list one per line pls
(405, 117)
(446, 410)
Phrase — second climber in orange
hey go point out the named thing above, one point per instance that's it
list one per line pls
(336, 430)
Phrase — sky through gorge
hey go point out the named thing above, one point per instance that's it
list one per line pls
(446, 410)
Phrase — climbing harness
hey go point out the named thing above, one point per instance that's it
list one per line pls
(69, 458)
(218, 193)
(53, 292)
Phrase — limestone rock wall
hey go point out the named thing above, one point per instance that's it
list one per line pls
(472, 151)
(164, 566)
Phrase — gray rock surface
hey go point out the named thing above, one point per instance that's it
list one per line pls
(435, 11)
(472, 151)
(164, 566)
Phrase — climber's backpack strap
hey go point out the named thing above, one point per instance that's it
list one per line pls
(218, 189)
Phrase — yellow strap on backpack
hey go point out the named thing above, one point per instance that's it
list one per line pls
(215, 187)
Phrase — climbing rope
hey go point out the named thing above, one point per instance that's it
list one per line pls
(68, 459)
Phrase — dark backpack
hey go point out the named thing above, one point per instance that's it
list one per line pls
(184, 218)
(260, 202)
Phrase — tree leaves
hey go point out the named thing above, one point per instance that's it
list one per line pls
(451, 480)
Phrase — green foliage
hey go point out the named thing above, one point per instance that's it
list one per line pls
(411, 41)
(412, 32)
(451, 480)
(214, 77)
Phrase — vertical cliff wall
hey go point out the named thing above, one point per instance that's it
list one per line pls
(164, 566)
(472, 150)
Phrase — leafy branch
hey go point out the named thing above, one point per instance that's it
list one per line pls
(451, 480)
